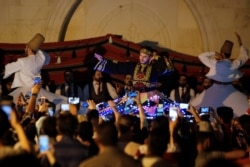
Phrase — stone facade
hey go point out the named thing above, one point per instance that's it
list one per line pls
(187, 26)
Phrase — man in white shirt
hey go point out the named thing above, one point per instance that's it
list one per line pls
(128, 86)
(29, 67)
(99, 90)
(182, 94)
(69, 88)
(223, 72)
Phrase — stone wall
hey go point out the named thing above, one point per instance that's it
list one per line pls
(187, 26)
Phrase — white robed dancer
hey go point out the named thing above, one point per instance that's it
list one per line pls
(27, 68)
(224, 71)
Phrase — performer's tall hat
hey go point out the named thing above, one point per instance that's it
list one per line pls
(36, 42)
(227, 47)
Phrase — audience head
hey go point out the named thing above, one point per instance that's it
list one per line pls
(204, 134)
(160, 122)
(125, 124)
(85, 131)
(106, 134)
(207, 83)
(97, 76)
(128, 80)
(69, 76)
(49, 127)
(157, 142)
(225, 113)
(182, 81)
(45, 77)
(93, 117)
(67, 124)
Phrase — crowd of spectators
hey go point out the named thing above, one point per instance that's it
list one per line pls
(77, 139)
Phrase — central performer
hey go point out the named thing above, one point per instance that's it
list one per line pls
(145, 73)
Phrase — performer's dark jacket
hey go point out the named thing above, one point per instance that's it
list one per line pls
(145, 76)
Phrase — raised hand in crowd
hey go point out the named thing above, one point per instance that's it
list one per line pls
(20, 105)
(194, 112)
(73, 109)
(173, 127)
(112, 105)
(42, 107)
(32, 102)
(50, 154)
(24, 142)
(214, 115)
(20, 101)
(91, 104)
(143, 119)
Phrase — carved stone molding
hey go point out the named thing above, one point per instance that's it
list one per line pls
(60, 16)
(154, 29)
(207, 24)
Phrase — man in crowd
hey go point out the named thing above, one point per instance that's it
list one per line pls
(183, 93)
(99, 90)
(109, 153)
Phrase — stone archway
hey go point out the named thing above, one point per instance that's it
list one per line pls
(207, 24)
(60, 16)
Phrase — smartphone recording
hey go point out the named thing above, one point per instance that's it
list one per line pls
(7, 109)
(84, 104)
(37, 80)
(160, 110)
(101, 106)
(65, 107)
(132, 94)
(73, 100)
(183, 108)
(51, 111)
(173, 112)
(204, 110)
(43, 143)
